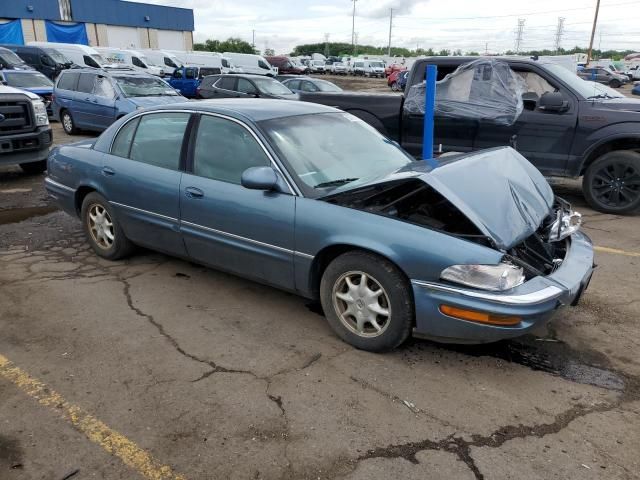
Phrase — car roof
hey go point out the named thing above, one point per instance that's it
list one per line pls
(242, 75)
(252, 109)
(109, 72)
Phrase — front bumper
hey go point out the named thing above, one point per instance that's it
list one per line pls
(25, 147)
(534, 301)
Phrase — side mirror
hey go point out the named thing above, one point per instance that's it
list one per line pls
(530, 100)
(260, 178)
(553, 102)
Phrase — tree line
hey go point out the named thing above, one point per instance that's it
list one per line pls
(342, 49)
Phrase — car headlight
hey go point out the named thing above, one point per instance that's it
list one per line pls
(486, 277)
(40, 112)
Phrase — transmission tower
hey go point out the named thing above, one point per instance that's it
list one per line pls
(559, 32)
(519, 34)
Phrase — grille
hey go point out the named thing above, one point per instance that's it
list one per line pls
(17, 116)
(538, 256)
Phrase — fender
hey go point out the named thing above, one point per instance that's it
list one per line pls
(599, 138)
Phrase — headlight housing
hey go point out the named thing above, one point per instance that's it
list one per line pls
(40, 112)
(496, 278)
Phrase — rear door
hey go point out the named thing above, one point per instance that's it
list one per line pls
(227, 226)
(225, 88)
(141, 178)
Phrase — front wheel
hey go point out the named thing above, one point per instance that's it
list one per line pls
(394, 86)
(611, 184)
(68, 124)
(102, 228)
(615, 83)
(367, 301)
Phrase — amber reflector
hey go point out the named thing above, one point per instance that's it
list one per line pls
(481, 317)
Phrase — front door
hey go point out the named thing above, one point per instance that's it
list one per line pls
(141, 179)
(242, 231)
(84, 105)
(105, 104)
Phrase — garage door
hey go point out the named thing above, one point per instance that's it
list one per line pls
(170, 40)
(123, 37)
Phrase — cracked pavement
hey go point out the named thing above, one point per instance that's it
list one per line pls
(220, 377)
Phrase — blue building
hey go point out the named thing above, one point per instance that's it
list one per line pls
(103, 23)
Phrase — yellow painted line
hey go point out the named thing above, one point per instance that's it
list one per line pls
(95, 430)
(616, 251)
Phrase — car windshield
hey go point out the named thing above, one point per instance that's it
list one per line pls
(10, 58)
(325, 86)
(318, 62)
(57, 57)
(326, 151)
(143, 86)
(100, 59)
(28, 80)
(376, 64)
(271, 86)
(584, 88)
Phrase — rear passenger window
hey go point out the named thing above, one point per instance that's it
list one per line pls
(226, 83)
(293, 85)
(158, 139)
(68, 81)
(85, 83)
(122, 143)
(224, 150)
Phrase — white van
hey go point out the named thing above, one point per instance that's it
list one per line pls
(207, 59)
(81, 55)
(167, 60)
(255, 64)
(130, 58)
(374, 68)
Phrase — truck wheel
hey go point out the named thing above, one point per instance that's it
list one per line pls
(68, 124)
(611, 184)
(367, 301)
(102, 228)
(615, 83)
(394, 86)
(34, 167)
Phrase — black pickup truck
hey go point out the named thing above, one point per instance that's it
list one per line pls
(569, 127)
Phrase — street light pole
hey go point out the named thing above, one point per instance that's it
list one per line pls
(390, 25)
(353, 27)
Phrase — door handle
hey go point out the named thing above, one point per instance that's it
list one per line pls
(93, 100)
(108, 171)
(193, 192)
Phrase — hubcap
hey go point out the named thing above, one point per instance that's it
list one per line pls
(617, 185)
(100, 226)
(67, 122)
(362, 304)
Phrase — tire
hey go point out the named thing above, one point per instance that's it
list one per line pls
(33, 168)
(394, 86)
(611, 184)
(68, 125)
(119, 246)
(393, 309)
(615, 83)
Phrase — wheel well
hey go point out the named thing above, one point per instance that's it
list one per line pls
(325, 256)
(82, 192)
(618, 144)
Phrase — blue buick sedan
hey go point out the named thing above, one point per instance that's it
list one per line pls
(309, 199)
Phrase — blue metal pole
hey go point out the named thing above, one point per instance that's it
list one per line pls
(429, 110)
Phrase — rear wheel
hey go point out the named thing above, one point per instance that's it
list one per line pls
(367, 301)
(611, 184)
(394, 86)
(102, 229)
(615, 83)
(34, 167)
(68, 124)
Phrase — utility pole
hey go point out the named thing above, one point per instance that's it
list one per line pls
(355, 45)
(326, 44)
(559, 32)
(353, 27)
(486, 48)
(593, 32)
(519, 34)
(390, 25)
(253, 39)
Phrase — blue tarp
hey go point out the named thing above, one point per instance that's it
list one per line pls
(75, 33)
(11, 32)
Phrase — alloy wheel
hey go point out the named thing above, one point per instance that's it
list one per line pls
(67, 122)
(362, 304)
(101, 226)
(616, 184)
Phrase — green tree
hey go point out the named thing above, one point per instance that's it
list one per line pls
(231, 44)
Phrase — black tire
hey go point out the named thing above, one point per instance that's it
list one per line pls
(394, 86)
(68, 124)
(396, 299)
(611, 184)
(33, 168)
(615, 83)
(121, 246)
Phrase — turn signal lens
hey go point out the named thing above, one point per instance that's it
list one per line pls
(480, 317)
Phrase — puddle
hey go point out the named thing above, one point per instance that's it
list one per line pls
(15, 215)
(554, 357)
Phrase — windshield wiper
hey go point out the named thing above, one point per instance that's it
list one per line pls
(600, 95)
(335, 183)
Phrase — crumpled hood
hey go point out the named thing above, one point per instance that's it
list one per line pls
(155, 101)
(498, 190)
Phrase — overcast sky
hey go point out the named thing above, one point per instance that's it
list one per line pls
(452, 24)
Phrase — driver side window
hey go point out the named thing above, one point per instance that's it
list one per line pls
(224, 150)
